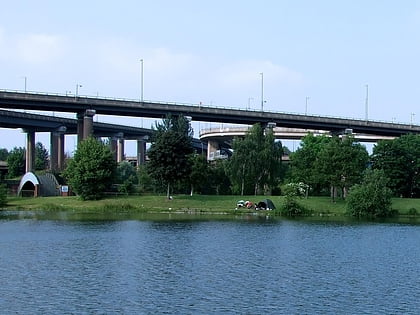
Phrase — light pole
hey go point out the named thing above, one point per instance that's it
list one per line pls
(77, 89)
(367, 102)
(249, 102)
(306, 105)
(412, 118)
(262, 91)
(141, 79)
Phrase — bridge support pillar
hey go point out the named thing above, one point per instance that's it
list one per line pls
(85, 124)
(212, 147)
(115, 146)
(120, 150)
(141, 151)
(30, 151)
(57, 149)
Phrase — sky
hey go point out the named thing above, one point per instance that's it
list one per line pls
(323, 57)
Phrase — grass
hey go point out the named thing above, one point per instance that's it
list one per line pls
(187, 204)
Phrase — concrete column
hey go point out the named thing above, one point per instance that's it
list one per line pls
(212, 147)
(80, 118)
(120, 150)
(57, 149)
(88, 123)
(141, 152)
(113, 146)
(30, 151)
(61, 154)
(54, 136)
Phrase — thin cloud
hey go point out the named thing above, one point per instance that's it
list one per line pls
(39, 48)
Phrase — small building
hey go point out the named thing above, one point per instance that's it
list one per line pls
(32, 185)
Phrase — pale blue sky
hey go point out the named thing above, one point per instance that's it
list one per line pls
(214, 51)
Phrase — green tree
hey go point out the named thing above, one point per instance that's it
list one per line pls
(171, 144)
(218, 177)
(199, 172)
(16, 162)
(41, 157)
(256, 161)
(91, 170)
(126, 177)
(3, 195)
(341, 163)
(400, 160)
(302, 161)
(372, 197)
(3, 154)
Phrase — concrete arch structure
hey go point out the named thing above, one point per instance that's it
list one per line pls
(32, 185)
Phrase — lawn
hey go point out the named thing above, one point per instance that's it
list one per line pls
(187, 204)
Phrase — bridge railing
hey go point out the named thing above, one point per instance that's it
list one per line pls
(98, 97)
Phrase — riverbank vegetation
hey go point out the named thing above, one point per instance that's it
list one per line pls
(316, 206)
(330, 173)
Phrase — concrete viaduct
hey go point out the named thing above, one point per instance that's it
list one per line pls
(58, 127)
(86, 107)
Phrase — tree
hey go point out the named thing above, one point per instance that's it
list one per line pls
(199, 171)
(302, 161)
(400, 160)
(341, 163)
(3, 195)
(256, 160)
(91, 170)
(171, 144)
(3, 154)
(372, 197)
(41, 157)
(126, 177)
(16, 162)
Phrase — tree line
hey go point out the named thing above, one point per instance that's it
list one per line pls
(324, 165)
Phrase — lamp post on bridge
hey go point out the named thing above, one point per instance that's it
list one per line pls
(262, 91)
(141, 79)
(77, 89)
(306, 105)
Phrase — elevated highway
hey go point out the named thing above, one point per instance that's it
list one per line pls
(121, 107)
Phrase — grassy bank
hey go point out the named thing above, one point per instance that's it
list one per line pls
(187, 204)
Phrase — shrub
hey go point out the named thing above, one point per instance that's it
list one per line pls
(3, 195)
(372, 197)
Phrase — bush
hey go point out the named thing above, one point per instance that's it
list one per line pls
(92, 169)
(3, 195)
(372, 197)
(293, 191)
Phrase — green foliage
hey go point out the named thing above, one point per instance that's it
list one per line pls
(41, 157)
(341, 163)
(302, 161)
(3, 195)
(3, 154)
(400, 160)
(372, 197)
(256, 161)
(199, 172)
(291, 207)
(16, 162)
(91, 170)
(126, 177)
(169, 151)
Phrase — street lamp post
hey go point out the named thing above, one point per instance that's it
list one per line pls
(367, 102)
(77, 89)
(249, 102)
(306, 105)
(141, 80)
(412, 118)
(262, 91)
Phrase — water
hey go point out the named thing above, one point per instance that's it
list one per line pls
(199, 266)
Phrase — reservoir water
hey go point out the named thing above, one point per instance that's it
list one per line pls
(200, 265)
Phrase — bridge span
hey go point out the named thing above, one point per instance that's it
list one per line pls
(83, 105)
